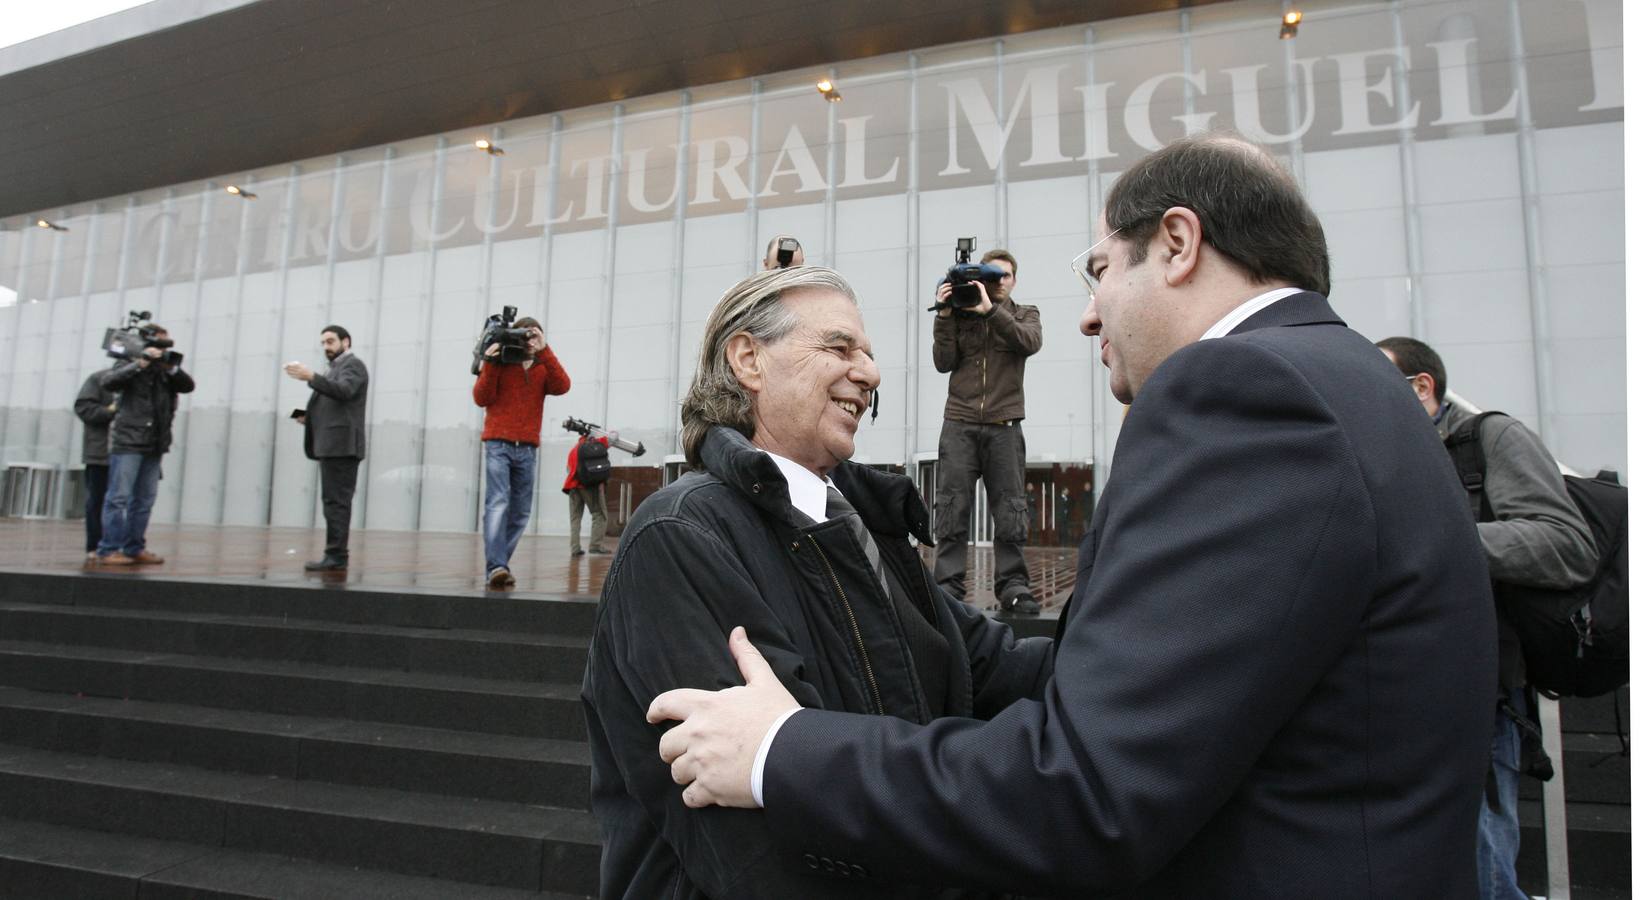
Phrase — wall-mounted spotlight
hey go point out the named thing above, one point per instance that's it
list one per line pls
(1287, 27)
(490, 148)
(42, 223)
(239, 191)
(828, 90)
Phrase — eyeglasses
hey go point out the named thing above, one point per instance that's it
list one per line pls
(1081, 265)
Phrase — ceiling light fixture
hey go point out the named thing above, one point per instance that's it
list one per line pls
(828, 90)
(241, 192)
(42, 223)
(489, 147)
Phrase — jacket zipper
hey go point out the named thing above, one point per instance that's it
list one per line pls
(865, 659)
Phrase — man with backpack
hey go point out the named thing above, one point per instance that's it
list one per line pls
(1534, 536)
(588, 471)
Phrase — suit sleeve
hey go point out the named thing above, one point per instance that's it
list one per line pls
(90, 406)
(1539, 538)
(345, 385)
(1236, 520)
(1002, 668)
(672, 597)
(557, 382)
(1023, 330)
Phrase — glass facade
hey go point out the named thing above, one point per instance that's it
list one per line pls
(1466, 157)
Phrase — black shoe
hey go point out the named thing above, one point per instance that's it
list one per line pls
(1021, 604)
(327, 564)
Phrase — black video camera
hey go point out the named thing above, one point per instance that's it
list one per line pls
(962, 273)
(513, 342)
(138, 334)
(586, 429)
(785, 250)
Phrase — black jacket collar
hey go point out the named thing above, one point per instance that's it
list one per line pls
(887, 503)
(1305, 308)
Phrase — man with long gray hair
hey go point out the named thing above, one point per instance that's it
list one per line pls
(776, 531)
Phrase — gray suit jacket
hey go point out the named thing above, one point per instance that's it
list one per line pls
(335, 422)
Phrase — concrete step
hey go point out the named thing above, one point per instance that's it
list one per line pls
(474, 841)
(51, 861)
(405, 607)
(480, 654)
(456, 763)
(520, 708)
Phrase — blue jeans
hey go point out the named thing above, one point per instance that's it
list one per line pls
(510, 470)
(133, 480)
(1498, 840)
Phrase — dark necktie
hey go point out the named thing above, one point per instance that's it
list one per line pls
(838, 507)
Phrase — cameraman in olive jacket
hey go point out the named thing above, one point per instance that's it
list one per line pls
(140, 435)
(984, 345)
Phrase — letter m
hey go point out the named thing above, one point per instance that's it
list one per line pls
(965, 94)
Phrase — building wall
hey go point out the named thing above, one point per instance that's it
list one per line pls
(1465, 156)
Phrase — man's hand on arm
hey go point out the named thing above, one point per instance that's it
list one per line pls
(713, 751)
(299, 371)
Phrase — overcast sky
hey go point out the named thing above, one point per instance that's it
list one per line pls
(25, 19)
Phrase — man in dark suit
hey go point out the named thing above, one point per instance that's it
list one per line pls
(335, 435)
(1274, 675)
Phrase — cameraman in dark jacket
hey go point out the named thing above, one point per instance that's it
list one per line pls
(95, 406)
(984, 341)
(780, 533)
(141, 433)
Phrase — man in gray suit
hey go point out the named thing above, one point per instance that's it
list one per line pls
(335, 435)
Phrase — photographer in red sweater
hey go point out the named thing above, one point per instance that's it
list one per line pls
(514, 396)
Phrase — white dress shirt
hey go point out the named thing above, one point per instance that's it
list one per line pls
(1245, 310)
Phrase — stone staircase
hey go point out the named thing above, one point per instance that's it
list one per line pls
(199, 739)
(172, 739)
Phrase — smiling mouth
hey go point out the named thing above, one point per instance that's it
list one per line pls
(849, 407)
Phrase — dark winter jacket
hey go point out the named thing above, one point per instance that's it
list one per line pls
(987, 356)
(92, 407)
(725, 547)
(148, 400)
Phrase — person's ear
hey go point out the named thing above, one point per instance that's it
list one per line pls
(745, 359)
(1424, 383)
(1181, 236)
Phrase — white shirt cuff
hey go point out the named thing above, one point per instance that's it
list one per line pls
(763, 756)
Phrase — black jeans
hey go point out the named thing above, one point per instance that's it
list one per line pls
(996, 454)
(338, 488)
(97, 484)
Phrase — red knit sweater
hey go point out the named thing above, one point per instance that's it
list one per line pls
(515, 397)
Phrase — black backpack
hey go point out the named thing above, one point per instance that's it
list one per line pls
(592, 468)
(1576, 641)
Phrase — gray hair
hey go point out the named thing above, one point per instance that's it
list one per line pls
(753, 307)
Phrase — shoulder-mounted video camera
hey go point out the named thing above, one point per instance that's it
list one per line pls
(586, 429)
(785, 250)
(962, 273)
(513, 342)
(138, 334)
